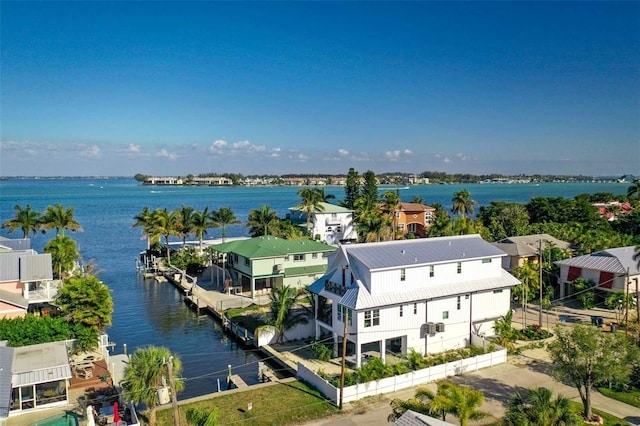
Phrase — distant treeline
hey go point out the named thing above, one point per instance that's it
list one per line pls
(398, 177)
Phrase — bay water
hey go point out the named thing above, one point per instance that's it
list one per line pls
(148, 313)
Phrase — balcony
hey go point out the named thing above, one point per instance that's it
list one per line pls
(334, 288)
(42, 291)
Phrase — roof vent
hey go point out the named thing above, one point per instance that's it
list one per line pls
(402, 251)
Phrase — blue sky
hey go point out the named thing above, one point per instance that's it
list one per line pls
(164, 88)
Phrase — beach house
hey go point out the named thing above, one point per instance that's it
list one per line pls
(329, 223)
(427, 295)
(26, 279)
(611, 270)
(258, 264)
(414, 218)
(526, 249)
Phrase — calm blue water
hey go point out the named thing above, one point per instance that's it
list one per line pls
(148, 313)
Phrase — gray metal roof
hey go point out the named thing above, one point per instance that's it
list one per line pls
(422, 251)
(617, 260)
(14, 299)
(357, 297)
(41, 363)
(25, 266)
(16, 243)
(6, 361)
(411, 418)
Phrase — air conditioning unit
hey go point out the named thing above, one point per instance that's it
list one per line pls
(440, 327)
(431, 328)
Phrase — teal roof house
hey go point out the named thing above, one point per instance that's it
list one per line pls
(258, 264)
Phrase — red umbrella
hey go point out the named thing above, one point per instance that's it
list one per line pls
(116, 415)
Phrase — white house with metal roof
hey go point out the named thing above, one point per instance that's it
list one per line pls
(26, 278)
(611, 270)
(39, 378)
(429, 295)
(261, 263)
(332, 224)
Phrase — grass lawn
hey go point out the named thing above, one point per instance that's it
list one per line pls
(631, 397)
(609, 420)
(281, 404)
(249, 317)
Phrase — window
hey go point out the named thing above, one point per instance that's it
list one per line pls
(334, 215)
(246, 261)
(497, 291)
(298, 257)
(401, 310)
(286, 258)
(459, 267)
(314, 255)
(466, 297)
(415, 309)
(235, 258)
(344, 311)
(458, 303)
(403, 274)
(486, 260)
(372, 318)
(338, 228)
(445, 314)
(431, 271)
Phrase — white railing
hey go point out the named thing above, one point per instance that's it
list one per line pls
(403, 381)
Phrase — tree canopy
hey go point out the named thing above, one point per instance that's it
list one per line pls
(586, 357)
(86, 300)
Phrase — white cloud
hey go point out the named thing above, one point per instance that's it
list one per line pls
(248, 146)
(220, 143)
(166, 154)
(407, 152)
(133, 148)
(446, 160)
(91, 152)
(343, 152)
(302, 157)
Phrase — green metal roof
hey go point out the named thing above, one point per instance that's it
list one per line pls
(328, 208)
(270, 246)
(305, 270)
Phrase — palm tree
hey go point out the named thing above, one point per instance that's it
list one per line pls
(323, 196)
(392, 205)
(417, 199)
(185, 223)
(145, 373)
(538, 409)
(420, 404)
(441, 224)
(223, 217)
(58, 218)
(311, 201)
(283, 313)
(634, 189)
(26, 219)
(462, 204)
(200, 222)
(144, 219)
(64, 253)
(165, 223)
(261, 220)
(201, 417)
(461, 401)
(371, 223)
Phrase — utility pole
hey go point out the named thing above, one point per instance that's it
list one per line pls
(344, 353)
(626, 303)
(540, 283)
(172, 383)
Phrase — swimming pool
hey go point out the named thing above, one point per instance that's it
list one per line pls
(63, 419)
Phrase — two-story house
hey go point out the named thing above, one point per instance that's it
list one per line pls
(260, 263)
(414, 218)
(611, 270)
(26, 278)
(429, 295)
(330, 223)
(526, 249)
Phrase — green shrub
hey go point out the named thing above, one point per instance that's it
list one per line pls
(321, 351)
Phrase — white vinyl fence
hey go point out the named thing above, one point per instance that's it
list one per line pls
(391, 384)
